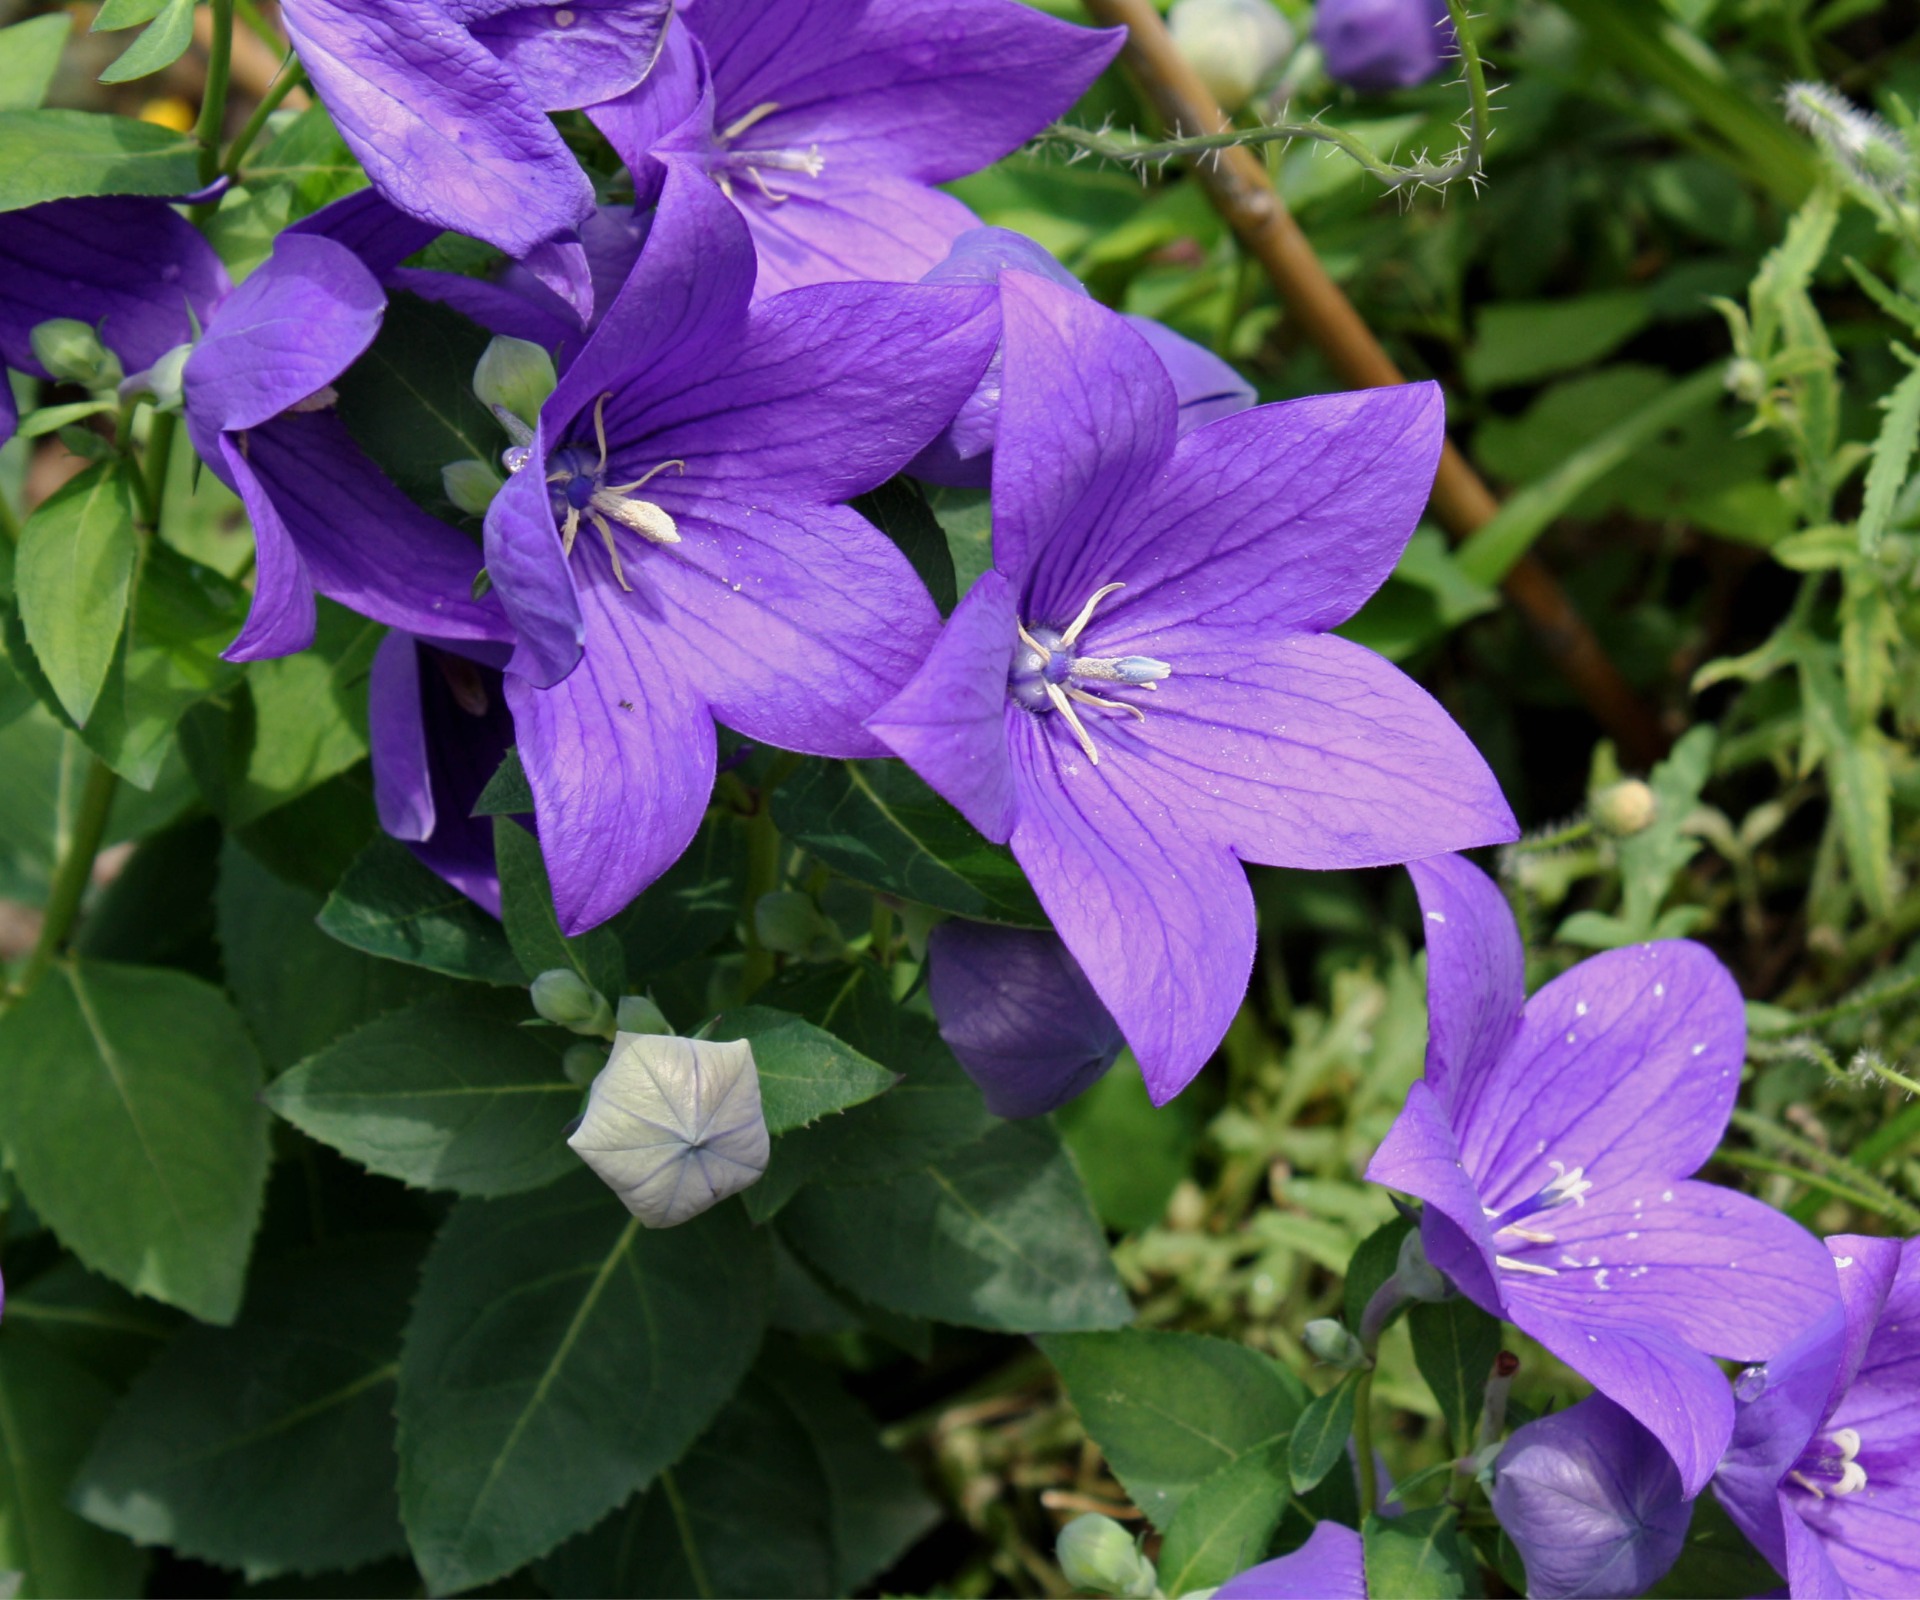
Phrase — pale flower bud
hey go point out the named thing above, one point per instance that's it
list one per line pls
(72, 352)
(638, 1014)
(163, 383)
(1096, 1553)
(673, 1126)
(1234, 45)
(1865, 145)
(470, 485)
(1625, 808)
(1329, 1341)
(562, 996)
(516, 377)
(582, 1062)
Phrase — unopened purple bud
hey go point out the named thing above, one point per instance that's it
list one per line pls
(1383, 44)
(1592, 1501)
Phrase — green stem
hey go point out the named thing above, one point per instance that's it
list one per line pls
(9, 520)
(213, 104)
(1363, 1444)
(70, 878)
(291, 77)
(880, 947)
(152, 480)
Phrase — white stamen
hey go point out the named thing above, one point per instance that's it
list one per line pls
(1064, 706)
(734, 129)
(1086, 613)
(1808, 1484)
(1086, 699)
(1525, 1266)
(1574, 1185)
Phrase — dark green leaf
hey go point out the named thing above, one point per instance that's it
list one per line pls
(1320, 1437)
(60, 155)
(268, 1446)
(1718, 1561)
(29, 57)
(448, 1094)
(1420, 1556)
(1518, 342)
(507, 794)
(1455, 1344)
(159, 910)
(149, 1075)
(97, 1324)
(389, 905)
(526, 909)
(164, 42)
(692, 905)
(879, 824)
(315, 840)
(560, 1355)
(805, 1072)
(1169, 1410)
(1132, 1153)
(73, 577)
(899, 509)
(998, 1234)
(1226, 1524)
(310, 715)
(1374, 1261)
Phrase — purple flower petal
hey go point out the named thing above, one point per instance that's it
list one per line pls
(1812, 1573)
(445, 129)
(950, 722)
(1383, 44)
(372, 227)
(1159, 916)
(620, 757)
(1476, 971)
(282, 618)
(560, 267)
(573, 55)
(135, 268)
(547, 321)
(1207, 387)
(1019, 1014)
(840, 230)
(532, 576)
(402, 785)
(671, 94)
(1331, 1565)
(1420, 1156)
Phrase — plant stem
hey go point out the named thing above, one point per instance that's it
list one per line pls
(70, 878)
(1363, 1444)
(291, 78)
(151, 481)
(213, 104)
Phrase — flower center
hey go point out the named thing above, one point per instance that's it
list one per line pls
(755, 164)
(1829, 1466)
(1048, 675)
(576, 480)
(1568, 1187)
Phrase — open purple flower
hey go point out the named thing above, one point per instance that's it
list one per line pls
(1206, 388)
(133, 269)
(439, 729)
(445, 102)
(1824, 1470)
(828, 121)
(672, 548)
(1019, 1015)
(1552, 1140)
(1142, 693)
(1383, 44)
(324, 516)
(1592, 1502)
(1331, 1565)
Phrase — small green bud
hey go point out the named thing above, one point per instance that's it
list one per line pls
(1419, 1278)
(471, 485)
(72, 352)
(638, 1014)
(1329, 1341)
(1233, 45)
(562, 996)
(1625, 808)
(582, 1062)
(1869, 149)
(1096, 1553)
(516, 377)
(163, 383)
(790, 924)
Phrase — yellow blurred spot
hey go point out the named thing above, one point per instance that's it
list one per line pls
(170, 111)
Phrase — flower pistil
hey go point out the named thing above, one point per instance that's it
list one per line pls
(754, 163)
(1048, 676)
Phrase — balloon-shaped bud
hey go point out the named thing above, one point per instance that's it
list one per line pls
(1096, 1553)
(565, 998)
(1383, 44)
(1328, 1340)
(514, 376)
(674, 1126)
(1234, 45)
(638, 1014)
(471, 485)
(163, 384)
(1592, 1501)
(72, 353)
(1625, 808)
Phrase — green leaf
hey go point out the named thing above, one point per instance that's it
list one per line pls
(1857, 780)
(50, 1408)
(690, 907)
(60, 155)
(1375, 1260)
(1320, 1436)
(164, 42)
(309, 715)
(880, 825)
(448, 1094)
(899, 509)
(1653, 857)
(526, 909)
(1523, 341)
(73, 577)
(29, 57)
(1892, 453)
(114, 15)
(97, 1324)
(507, 794)
(998, 1234)
(268, 1446)
(559, 1357)
(1132, 1153)
(805, 1072)
(1455, 1345)
(390, 905)
(1169, 1410)
(1420, 1556)
(1718, 1561)
(149, 1075)
(1226, 1524)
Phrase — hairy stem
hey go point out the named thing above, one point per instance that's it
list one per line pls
(70, 879)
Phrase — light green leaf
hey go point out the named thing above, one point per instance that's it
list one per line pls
(447, 1094)
(114, 15)
(60, 155)
(149, 1075)
(1858, 783)
(526, 909)
(310, 715)
(29, 57)
(1169, 1410)
(73, 577)
(268, 1446)
(164, 42)
(51, 419)
(1226, 1524)
(1320, 1436)
(1455, 1345)
(390, 905)
(1420, 1556)
(559, 1357)
(1524, 341)
(805, 1072)
(1892, 453)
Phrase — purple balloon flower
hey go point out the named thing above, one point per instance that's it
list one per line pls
(446, 106)
(672, 548)
(1824, 1470)
(439, 729)
(1331, 1565)
(1142, 693)
(1383, 44)
(1019, 1015)
(1592, 1502)
(1553, 1139)
(324, 516)
(828, 121)
(1206, 387)
(134, 269)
